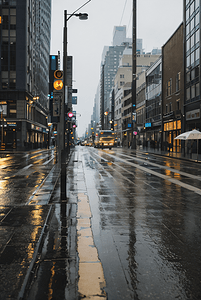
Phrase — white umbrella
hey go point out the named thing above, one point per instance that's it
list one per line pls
(190, 135)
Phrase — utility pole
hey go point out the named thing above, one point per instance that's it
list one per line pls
(133, 107)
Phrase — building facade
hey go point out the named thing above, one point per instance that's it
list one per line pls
(173, 91)
(154, 104)
(192, 76)
(24, 65)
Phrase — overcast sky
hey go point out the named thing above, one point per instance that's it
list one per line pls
(156, 22)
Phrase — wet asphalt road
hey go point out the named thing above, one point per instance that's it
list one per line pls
(146, 223)
(130, 229)
(21, 174)
(21, 217)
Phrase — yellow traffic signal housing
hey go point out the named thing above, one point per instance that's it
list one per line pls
(58, 82)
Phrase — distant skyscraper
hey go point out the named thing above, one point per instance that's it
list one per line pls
(119, 35)
(139, 46)
(24, 69)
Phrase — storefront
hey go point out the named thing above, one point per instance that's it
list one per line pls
(171, 130)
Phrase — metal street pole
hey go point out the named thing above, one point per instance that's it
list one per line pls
(62, 117)
(133, 107)
(82, 16)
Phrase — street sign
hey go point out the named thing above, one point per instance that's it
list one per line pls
(57, 99)
(133, 117)
(74, 100)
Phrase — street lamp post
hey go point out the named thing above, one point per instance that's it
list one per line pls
(133, 107)
(82, 16)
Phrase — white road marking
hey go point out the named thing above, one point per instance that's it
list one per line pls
(165, 177)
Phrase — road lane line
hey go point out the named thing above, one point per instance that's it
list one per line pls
(91, 282)
(20, 172)
(165, 177)
(48, 161)
(164, 167)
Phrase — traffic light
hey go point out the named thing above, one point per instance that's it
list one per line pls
(58, 82)
(70, 114)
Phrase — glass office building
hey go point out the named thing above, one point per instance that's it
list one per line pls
(24, 72)
(192, 64)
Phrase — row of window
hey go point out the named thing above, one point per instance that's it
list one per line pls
(168, 107)
(193, 41)
(193, 25)
(169, 85)
(8, 2)
(193, 92)
(191, 7)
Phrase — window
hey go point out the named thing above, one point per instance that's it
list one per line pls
(197, 36)
(187, 13)
(188, 94)
(192, 40)
(192, 74)
(188, 45)
(197, 54)
(188, 77)
(187, 29)
(197, 89)
(166, 108)
(178, 81)
(197, 71)
(178, 104)
(192, 24)
(188, 61)
(192, 8)
(193, 91)
(170, 107)
(192, 58)
(169, 87)
(197, 19)
(121, 75)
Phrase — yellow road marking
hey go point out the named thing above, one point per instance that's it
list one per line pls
(91, 277)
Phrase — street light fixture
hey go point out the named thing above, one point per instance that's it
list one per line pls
(82, 16)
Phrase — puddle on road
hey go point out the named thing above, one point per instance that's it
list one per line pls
(91, 278)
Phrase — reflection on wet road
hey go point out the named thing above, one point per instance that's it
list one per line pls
(146, 223)
(21, 222)
(21, 174)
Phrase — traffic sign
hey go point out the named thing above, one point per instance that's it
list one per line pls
(57, 99)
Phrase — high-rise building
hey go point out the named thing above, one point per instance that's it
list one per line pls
(192, 101)
(24, 71)
(119, 35)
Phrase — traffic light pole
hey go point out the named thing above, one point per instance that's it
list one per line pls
(82, 16)
(133, 108)
(62, 117)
